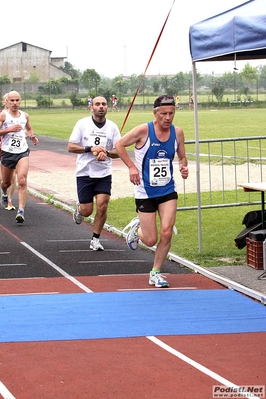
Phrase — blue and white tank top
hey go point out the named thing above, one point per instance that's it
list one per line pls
(154, 161)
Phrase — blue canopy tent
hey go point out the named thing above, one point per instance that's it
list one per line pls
(236, 34)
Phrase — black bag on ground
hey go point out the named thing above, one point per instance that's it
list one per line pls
(252, 221)
(251, 218)
(240, 240)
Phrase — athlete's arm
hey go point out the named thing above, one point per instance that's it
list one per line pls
(135, 136)
(181, 152)
(30, 131)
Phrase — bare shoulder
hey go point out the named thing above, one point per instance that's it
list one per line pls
(2, 116)
(179, 133)
(140, 129)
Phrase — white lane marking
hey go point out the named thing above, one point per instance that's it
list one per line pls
(90, 250)
(54, 266)
(5, 392)
(13, 264)
(199, 366)
(157, 289)
(111, 261)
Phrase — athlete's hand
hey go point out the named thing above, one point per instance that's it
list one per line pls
(96, 150)
(15, 128)
(184, 171)
(34, 140)
(134, 175)
(101, 156)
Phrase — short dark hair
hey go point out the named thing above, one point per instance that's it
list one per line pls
(164, 100)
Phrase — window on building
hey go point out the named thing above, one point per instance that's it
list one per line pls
(24, 46)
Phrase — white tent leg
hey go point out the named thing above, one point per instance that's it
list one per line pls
(196, 129)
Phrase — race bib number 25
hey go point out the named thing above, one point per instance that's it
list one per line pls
(159, 172)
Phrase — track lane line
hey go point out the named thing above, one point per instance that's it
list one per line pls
(5, 392)
(200, 367)
(57, 268)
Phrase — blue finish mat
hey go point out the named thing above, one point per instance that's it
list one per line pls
(127, 314)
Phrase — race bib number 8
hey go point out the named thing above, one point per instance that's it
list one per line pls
(159, 172)
(97, 138)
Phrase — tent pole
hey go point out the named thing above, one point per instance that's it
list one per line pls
(196, 129)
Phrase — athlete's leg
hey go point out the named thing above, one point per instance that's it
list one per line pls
(147, 232)
(102, 201)
(11, 190)
(22, 174)
(7, 175)
(167, 215)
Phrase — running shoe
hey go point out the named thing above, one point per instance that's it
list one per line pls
(95, 245)
(77, 217)
(20, 216)
(4, 198)
(132, 239)
(10, 207)
(158, 280)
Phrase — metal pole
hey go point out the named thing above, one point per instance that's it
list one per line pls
(197, 154)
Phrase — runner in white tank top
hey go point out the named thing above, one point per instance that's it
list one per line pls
(14, 128)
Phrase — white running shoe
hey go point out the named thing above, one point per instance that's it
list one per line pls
(158, 280)
(77, 217)
(95, 245)
(132, 239)
(20, 216)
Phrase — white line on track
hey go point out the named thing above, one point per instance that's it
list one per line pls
(200, 367)
(13, 264)
(5, 392)
(57, 268)
(89, 250)
(113, 260)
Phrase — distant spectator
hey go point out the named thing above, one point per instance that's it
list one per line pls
(89, 102)
(114, 103)
(177, 101)
(191, 101)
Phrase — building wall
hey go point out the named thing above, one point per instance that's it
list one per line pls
(19, 60)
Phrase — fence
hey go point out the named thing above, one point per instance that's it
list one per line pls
(224, 163)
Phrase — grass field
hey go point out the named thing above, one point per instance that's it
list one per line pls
(219, 226)
(202, 97)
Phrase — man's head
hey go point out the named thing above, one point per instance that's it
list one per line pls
(13, 100)
(163, 101)
(99, 107)
(164, 111)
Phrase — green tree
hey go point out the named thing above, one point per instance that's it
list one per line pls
(178, 82)
(90, 80)
(218, 90)
(70, 70)
(33, 78)
(249, 73)
(262, 76)
(4, 79)
(119, 84)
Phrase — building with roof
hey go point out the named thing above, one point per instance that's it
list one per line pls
(20, 60)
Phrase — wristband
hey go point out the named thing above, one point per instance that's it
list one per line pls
(87, 148)
(108, 153)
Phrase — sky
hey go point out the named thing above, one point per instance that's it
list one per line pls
(115, 37)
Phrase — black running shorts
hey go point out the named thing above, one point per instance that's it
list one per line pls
(10, 160)
(88, 187)
(150, 205)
